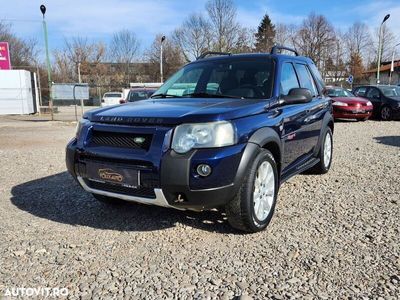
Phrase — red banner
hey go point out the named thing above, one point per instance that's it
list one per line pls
(5, 62)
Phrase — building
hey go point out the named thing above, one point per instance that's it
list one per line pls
(384, 73)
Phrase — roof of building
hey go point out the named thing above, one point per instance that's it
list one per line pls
(385, 66)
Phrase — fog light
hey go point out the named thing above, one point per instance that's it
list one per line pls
(203, 170)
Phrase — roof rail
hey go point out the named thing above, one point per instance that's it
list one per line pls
(207, 53)
(277, 48)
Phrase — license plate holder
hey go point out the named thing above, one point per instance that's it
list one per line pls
(113, 174)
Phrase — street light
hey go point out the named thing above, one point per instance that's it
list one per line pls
(380, 47)
(392, 64)
(161, 58)
(43, 10)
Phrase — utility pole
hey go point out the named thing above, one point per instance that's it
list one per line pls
(43, 10)
(380, 48)
(392, 65)
(161, 59)
(80, 81)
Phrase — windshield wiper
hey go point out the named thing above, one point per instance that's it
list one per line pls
(165, 96)
(208, 95)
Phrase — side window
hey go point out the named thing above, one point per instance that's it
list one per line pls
(288, 79)
(373, 94)
(306, 80)
(360, 91)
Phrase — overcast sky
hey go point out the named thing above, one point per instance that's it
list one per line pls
(100, 18)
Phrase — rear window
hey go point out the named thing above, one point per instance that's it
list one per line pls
(138, 95)
(113, 95)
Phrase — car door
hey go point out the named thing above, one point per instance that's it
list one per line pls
(374, 95)
(295, 121)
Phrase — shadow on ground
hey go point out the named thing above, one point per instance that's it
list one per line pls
(59, 198)
(389, 140)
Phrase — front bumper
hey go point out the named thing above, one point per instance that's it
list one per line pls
(175, 183)
(352, 112)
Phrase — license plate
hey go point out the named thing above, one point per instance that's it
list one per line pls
(358, 111)
(113, 174)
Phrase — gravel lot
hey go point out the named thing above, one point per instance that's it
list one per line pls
(332, 236)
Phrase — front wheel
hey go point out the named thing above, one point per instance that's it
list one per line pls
(253, 207)
(386, 113)
(325, 154)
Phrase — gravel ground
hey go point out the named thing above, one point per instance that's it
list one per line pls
(332, 236)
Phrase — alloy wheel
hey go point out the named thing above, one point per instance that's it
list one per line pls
(264, 191)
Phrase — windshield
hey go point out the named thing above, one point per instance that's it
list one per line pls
(339, 93)
(113, 95)
(232, 78)
(138, 95)
(390, 91)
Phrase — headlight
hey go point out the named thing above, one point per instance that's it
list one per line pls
(369, 103)
(338, 103)
(79, 126)
(203, 135)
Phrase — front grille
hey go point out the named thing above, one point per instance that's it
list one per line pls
(144, 192)
(121, 140)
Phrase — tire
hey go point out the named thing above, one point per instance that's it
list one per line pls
(108, 200)
(386, 113)
(323, 166)
(241, 210)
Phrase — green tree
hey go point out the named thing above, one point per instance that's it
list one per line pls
(265, 35)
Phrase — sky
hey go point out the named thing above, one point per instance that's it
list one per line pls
(98, 19)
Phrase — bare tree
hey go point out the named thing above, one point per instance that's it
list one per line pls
(79, 51)
(357, 38)
(285, 34)
(193, 37)
(388, 39)
(315, 38)
(22, 52)
(222, 14)
(172, 58)
(124, 46)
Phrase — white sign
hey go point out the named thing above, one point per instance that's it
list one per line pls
(70, 91)
(350, 79)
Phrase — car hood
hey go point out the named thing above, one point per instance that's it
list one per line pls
(351, 100)
(177, 110)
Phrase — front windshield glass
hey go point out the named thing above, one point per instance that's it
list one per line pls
(250, 79)
(339, 93)
(391, 91)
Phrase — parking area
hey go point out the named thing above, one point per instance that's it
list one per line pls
(332, 236)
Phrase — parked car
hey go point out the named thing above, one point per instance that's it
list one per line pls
(347, 106)
(111, 98)
(243, 125)
(385, 100)
(137, 94)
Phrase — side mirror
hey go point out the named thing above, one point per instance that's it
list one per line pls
(297, 96)
(376, 97)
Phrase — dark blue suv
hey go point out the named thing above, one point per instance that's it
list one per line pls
(223, 132)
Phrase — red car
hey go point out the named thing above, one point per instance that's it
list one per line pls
(348, 106)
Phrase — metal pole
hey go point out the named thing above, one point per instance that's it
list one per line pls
(161, 62)
(392, 64)
(379, 55)
(80, 81)
(39, 86)
(380, 48)
(48, 67)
